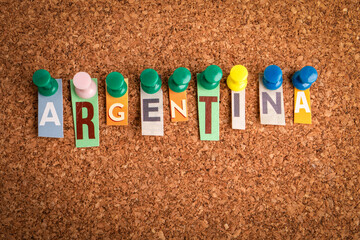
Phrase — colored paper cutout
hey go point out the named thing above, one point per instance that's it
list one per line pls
(86, 118)
(302, 106)
(238, 109)
(50, 114)
(117, 108)
(152, 113)
(178, 106)
(208, 109)
(271, 105)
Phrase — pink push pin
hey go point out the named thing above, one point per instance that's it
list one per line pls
(85, 87)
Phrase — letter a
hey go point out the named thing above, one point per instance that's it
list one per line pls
(301, 98)
(54, 117)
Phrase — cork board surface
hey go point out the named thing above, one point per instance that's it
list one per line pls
(292, 182)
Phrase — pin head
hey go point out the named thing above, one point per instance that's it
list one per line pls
(308, 74)
(47, 85)
(85, 87)
(150, 81)
(116, 85)
(272, 77)
(82, 80)
(211, 77)
(304, 78)
(213, 74)
(179, 81)
(237, 80)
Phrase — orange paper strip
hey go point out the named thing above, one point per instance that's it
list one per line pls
(178, 106)
(117, 108)
(302, 107)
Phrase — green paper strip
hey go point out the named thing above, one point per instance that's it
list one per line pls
(86, 141)
(202, 92)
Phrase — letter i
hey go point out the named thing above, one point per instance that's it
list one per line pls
(237, 82)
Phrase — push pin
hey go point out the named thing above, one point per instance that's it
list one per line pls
(210, 78)
(47, 85)
(85, 87)
(150, 81)
(237, 80)
(272, 77)
(116, 85)
(179, 81)
(304, 78)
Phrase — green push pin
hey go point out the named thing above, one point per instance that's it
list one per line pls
(47, 85)
(179, 81)
(150, 81)
(116, 85)
(210, 78)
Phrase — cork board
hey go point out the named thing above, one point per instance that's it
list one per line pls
(293, 181)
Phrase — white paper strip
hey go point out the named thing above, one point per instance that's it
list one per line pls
(271, 105)
(152, 113)
(238, 109)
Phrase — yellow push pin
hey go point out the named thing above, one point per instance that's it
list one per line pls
(237, 80)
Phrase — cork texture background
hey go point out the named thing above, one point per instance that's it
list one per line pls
(266, 182)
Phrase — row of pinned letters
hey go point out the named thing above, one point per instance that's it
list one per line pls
(86, 111)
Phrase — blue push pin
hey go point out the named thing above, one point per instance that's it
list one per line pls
(272, 77)
(303, 79)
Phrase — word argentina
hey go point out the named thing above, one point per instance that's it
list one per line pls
(84, 98)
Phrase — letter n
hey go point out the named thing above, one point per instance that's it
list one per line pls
(266, 98)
